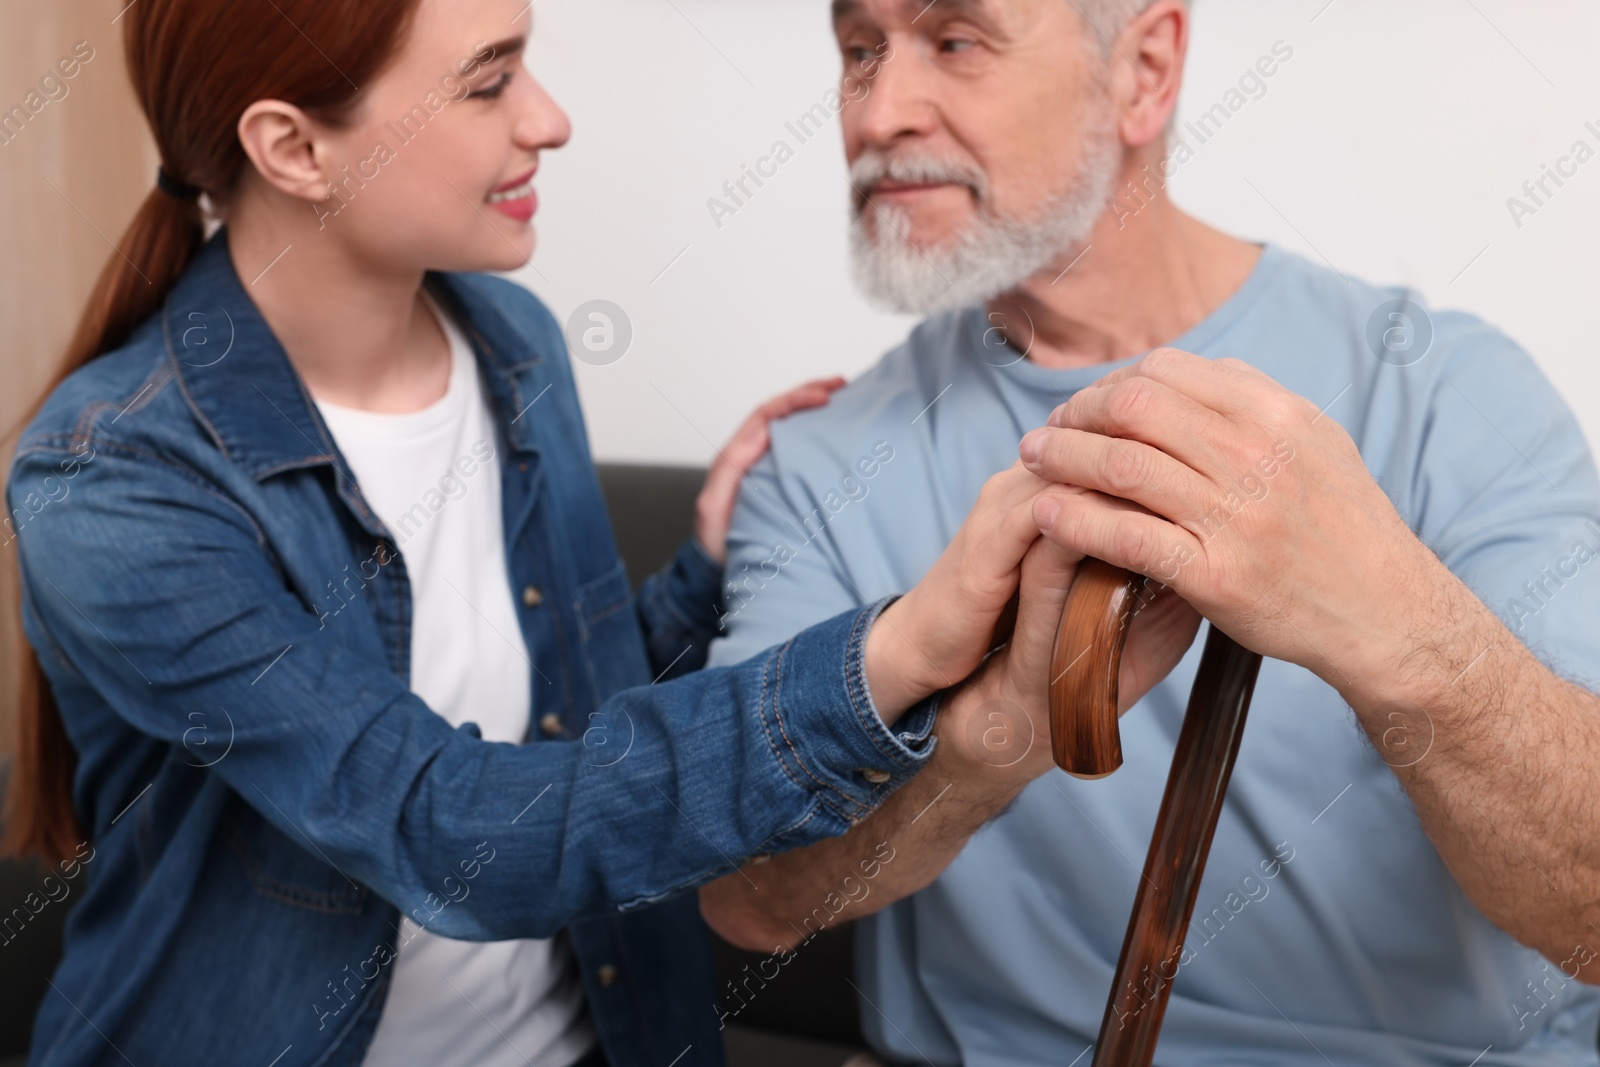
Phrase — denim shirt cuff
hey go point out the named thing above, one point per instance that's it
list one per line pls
(833, 740)
(681, 608)
(701, 575)
(688, 590)
(909, 737)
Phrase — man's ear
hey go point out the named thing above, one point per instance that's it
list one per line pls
(1154, 44)
(284, 144)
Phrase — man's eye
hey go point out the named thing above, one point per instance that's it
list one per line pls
(492, 91)
(955, 44)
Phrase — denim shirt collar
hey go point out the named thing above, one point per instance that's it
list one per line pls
(253, 403)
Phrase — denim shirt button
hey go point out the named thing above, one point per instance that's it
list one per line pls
(874, 775)
(550, 724)
(531, 596)
(607, 975)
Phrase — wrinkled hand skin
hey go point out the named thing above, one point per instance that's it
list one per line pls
(1241, 496)
(998, 721)
(939, 631)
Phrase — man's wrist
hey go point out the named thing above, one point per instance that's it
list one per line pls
(992, 740)
(982, 789)
(1434, 636)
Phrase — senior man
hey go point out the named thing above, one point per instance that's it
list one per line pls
(1390, 503)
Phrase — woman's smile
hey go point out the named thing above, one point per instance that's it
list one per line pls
(515, 198)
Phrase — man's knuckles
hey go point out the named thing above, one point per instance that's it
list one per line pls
(1126, 468)
(1164, 362)
(1127, 407)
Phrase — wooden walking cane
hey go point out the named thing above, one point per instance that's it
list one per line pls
(1086, 743)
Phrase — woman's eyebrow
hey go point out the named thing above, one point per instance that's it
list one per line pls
(510, 46)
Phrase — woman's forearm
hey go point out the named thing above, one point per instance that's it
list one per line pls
(694, 777)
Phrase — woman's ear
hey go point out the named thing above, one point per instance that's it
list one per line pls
(282, 141)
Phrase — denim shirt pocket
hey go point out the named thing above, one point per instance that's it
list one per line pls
(613, 647)
(276, 866)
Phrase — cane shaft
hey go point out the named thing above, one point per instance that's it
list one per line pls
(1196, 785)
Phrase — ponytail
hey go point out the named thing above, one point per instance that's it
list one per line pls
(193, 103)
(40, 819)
(164, 236)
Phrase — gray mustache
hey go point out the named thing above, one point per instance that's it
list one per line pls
(873, 167)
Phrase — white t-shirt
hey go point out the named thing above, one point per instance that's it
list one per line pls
(433, 476)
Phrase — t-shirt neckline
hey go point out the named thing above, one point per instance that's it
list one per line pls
(1201, 335)
(441, 412)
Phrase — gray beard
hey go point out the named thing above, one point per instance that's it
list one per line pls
(993, 255)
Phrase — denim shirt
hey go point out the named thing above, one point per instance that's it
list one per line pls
(225, 625)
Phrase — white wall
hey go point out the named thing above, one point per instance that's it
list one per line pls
(1388, 145)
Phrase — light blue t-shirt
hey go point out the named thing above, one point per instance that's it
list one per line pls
(1327, 928)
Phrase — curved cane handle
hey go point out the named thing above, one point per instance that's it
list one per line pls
(1086, 742)
(1084, 667)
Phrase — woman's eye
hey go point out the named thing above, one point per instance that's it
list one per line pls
(493, 91)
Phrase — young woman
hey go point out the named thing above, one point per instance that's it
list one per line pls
(309, 536)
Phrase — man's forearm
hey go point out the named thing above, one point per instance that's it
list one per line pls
(899, 849)
(1501, 758)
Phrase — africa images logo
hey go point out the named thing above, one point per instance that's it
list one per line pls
(1400, 332)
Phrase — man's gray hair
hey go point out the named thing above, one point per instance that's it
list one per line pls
(1106, 19)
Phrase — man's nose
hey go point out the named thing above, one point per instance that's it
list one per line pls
(901, 101)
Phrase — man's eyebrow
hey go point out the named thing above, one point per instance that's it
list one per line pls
(977, 10)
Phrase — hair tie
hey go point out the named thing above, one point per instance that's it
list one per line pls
(174, 188)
